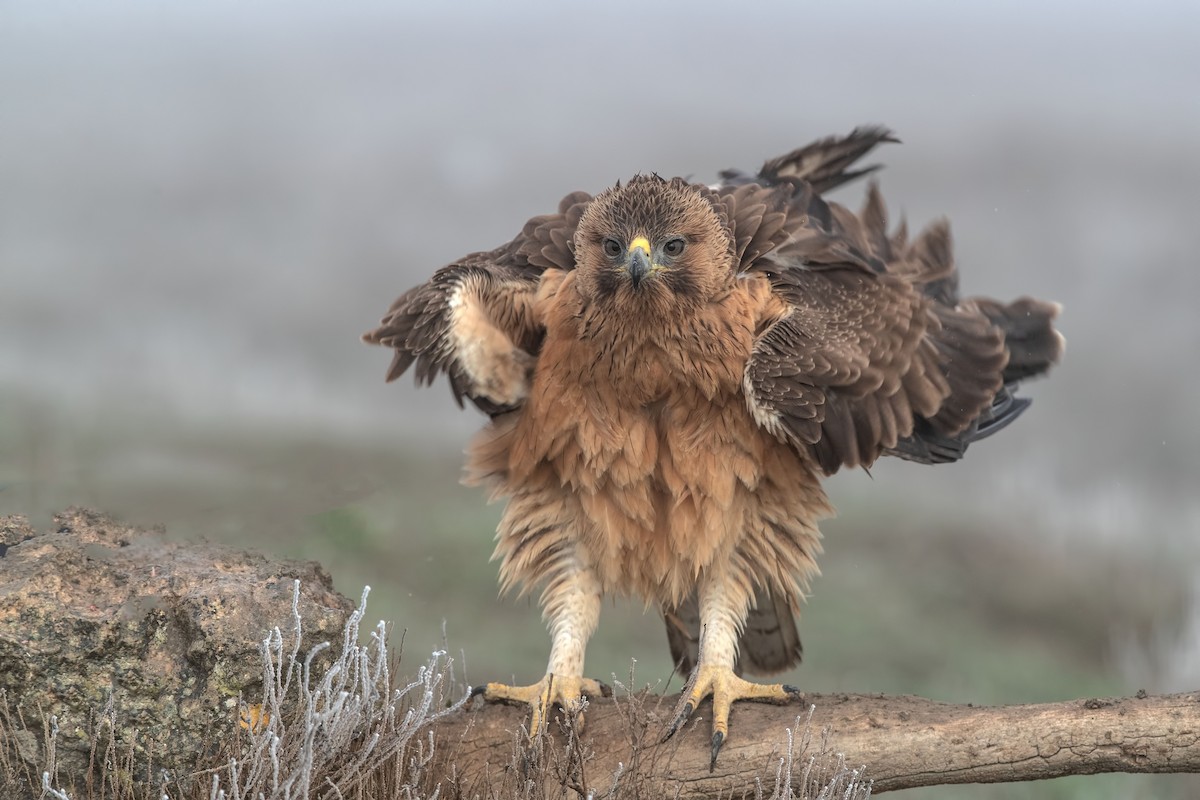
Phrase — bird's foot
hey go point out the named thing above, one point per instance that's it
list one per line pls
(566, 691)
(725, 687)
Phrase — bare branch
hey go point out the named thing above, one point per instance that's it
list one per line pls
(903, 742)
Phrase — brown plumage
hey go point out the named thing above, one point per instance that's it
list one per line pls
(670, 369)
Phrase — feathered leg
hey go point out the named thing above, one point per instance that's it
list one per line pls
(724, 603)
(572, 611)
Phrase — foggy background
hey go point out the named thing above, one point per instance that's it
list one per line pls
(203, 206)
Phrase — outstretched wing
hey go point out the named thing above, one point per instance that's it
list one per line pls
(824, 164)
(874, 352)
(474, 320)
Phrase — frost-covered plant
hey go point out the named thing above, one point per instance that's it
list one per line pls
(823, 775)
(342, 731)
(332, 736)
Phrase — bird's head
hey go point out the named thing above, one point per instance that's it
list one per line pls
(653, 242)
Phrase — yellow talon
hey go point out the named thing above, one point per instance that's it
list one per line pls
(561, 690)
(726, 688)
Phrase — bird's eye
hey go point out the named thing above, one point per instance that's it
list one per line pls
(674, 247)
(612, 247)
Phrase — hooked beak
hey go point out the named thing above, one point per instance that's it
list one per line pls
(637, 262)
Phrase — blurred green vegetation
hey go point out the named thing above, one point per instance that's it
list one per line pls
(913, 598)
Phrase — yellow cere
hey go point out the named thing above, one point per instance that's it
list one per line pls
(641, 242)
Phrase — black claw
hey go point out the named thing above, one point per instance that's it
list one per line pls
(605, 689)
(678, 723)
(793, 691)
(478, 690)
(718, 740)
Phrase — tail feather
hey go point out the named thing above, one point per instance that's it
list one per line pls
(769, 643)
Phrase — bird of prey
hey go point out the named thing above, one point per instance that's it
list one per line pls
(671, 368)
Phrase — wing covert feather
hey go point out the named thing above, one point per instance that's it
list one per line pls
(475, 319)
(875, 343)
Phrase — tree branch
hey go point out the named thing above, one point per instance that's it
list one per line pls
(903, 742)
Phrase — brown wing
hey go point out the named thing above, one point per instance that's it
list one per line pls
(876, 354)
(769, 642)
(474, 319)
(824, 164)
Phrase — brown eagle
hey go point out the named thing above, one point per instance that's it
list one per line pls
(670, 369)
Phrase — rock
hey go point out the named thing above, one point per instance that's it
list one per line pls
(102, 624)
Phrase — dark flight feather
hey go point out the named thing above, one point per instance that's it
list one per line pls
(878, 355)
